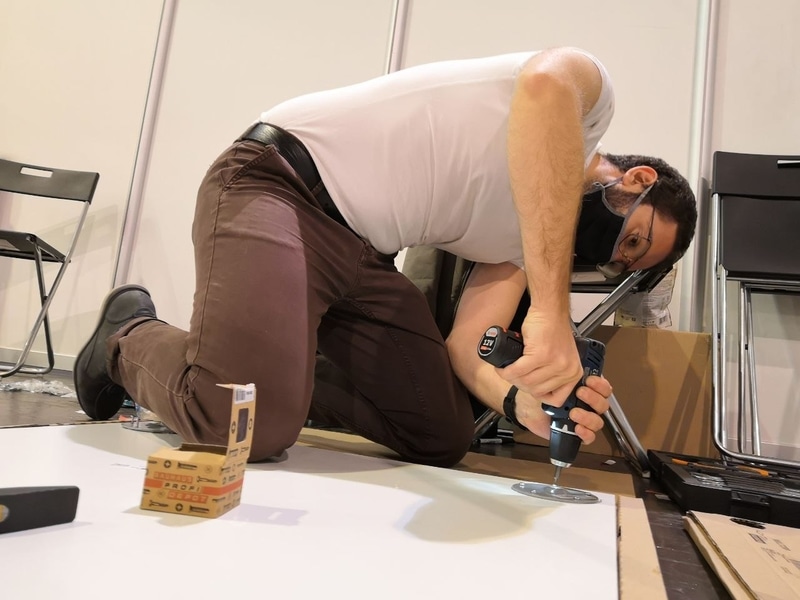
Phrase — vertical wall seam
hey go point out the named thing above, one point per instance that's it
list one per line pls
(144, 148)
(694, 268)
(394, 62)
(397, 36)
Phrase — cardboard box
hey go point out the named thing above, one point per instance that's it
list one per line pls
(753, 560)
(203, 480)
(662, 381)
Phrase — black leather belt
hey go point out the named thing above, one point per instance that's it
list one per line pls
(295, 153)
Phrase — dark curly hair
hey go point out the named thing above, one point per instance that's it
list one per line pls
(671, 196)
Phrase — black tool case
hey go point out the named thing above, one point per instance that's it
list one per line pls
(744, 490)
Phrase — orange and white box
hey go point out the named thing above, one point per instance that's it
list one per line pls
(204, 480)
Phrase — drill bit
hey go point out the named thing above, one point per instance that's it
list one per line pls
(558, 474)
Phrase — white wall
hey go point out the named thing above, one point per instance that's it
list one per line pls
(74, 79)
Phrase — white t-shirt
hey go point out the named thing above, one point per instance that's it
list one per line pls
(418, 157)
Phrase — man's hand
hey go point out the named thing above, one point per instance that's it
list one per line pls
(549, 367)
(595, 393)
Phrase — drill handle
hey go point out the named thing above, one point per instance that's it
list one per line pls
(561, 413)
(592, 355)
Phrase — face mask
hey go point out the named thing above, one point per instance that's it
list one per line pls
(600, 227)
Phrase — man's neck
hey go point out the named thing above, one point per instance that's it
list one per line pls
(601, 170)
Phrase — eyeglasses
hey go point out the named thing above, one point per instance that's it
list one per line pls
(632, 248)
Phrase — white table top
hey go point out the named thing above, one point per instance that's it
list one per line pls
(319, 522)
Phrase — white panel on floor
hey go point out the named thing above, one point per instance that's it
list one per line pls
(318, 524)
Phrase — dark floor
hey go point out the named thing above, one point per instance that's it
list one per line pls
(32, 400)
(35, 400)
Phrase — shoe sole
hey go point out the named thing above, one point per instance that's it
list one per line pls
(115, 293)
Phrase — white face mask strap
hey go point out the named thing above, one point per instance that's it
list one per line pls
(605, 186)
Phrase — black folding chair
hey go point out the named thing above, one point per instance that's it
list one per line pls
(755, 213)
(22, 181)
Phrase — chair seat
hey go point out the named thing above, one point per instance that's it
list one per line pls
(18, 244)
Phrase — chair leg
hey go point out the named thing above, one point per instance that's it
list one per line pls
(747, 393)
(46, 320)
(750, 353)
(42, 319)
(741, 396)
(626, 438)
(484, 423)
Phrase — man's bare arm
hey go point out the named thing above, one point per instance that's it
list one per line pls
(490, 297)
(553, 93)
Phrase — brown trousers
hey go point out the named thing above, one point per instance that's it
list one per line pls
(321, 322)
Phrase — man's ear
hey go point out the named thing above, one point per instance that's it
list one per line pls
(641, 175)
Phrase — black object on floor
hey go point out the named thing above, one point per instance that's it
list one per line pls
(31, 507)
(745, 490)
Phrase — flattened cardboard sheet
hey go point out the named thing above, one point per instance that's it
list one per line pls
(752, 559)
(639, 572)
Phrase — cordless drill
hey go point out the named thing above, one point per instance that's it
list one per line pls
(501, 347)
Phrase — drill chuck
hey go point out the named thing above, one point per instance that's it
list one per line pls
(564, 446)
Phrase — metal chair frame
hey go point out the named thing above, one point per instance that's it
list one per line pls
(23, 179)
(749, 182)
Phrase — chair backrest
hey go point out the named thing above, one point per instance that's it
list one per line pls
(759, 214)
(21, 178)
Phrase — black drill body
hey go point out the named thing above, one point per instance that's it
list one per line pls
(501, 347)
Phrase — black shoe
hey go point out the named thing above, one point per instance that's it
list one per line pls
(99, 397)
